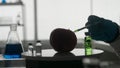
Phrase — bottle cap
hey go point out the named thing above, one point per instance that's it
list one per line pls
(38, 41)
(30, 44)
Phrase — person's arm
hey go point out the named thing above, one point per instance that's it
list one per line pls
(116, 44)
(105, 30)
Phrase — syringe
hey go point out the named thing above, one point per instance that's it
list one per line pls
(89, 25)
(81, 28)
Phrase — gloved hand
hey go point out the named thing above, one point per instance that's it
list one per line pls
(102, 29)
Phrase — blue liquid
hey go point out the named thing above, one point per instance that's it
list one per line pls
(13, 51)
(3, 1)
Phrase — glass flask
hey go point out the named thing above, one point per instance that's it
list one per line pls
(14, 46)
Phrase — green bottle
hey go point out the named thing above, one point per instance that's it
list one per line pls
(87, 44)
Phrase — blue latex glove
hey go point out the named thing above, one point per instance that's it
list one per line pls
(102, 29)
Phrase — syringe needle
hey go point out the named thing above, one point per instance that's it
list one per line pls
(81, 28)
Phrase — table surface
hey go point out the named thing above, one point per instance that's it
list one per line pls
(75, 52)
(50, 53)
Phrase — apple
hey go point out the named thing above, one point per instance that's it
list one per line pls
(63, 40)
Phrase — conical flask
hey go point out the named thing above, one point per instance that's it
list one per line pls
(14, 46)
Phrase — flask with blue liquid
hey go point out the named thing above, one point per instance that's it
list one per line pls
(14, 46)
(3, 1)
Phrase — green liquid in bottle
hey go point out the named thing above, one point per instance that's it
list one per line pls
(88, 45)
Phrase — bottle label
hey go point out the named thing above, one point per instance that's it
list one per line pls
(38, 50)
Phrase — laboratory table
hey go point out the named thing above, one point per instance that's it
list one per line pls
(51, 58)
